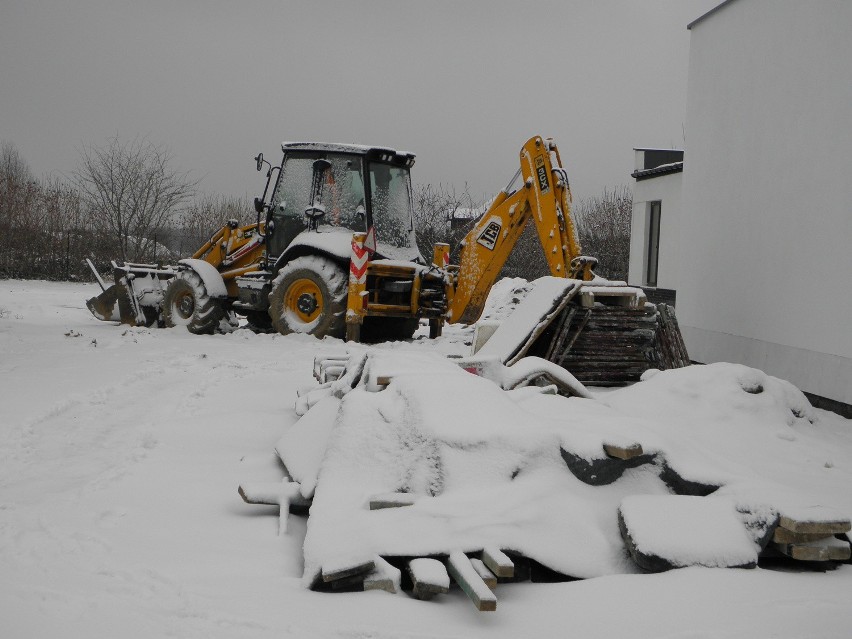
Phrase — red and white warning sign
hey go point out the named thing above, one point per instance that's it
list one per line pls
(358, 263)
(370, 240)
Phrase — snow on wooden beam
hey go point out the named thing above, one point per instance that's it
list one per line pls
(465, 575)
(487, 576)
(498, 562)
(329, 367)
(784, 536)
(428, 577)
(623, 452)
(332, 574)
(825, 526)
(383, 577)
(828, 549)
(279, 494)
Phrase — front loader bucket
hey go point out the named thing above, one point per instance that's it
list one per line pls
(135, 298)
(105, 306)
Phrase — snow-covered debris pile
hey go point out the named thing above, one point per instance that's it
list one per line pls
(409, 455)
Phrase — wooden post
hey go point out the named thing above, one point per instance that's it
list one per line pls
(441, 255)
(482, 570)
(465, 575)
(498, 562)
(356, 302)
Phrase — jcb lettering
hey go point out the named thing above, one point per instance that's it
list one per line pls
(488, 237)
(541, 172)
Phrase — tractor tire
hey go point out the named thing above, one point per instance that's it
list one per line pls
(187, 303)
(309, 296)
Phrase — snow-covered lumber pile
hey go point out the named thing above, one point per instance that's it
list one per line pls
(418, 471)
(603, 332)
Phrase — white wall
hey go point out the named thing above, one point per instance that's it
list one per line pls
(667, 190)
(766, 259)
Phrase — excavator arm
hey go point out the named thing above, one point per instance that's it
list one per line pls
(544, 197)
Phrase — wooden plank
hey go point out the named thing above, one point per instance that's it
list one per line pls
(428, 577)
(354, 582)
(561, 332)
(784, 536)
(465, 575)
(392, 500)
(623, 452)
(498, 562)
(671, 347)
(827, 549)
(343, 572)
(383, 577)
(545, 321)
(580, 326)
(840, 551)
(487, 576)
(827, 527)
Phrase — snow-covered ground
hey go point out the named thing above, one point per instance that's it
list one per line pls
(121, 451)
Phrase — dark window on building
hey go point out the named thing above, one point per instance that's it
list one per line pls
(653, 245)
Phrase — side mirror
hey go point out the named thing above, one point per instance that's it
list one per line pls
(259, 160)
(258, 205)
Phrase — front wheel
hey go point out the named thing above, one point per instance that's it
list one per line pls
(187, 303)
(309, 296)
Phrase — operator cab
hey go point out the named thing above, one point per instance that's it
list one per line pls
(329, 188)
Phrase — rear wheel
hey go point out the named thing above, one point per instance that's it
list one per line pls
(309, 296)
(187, 303)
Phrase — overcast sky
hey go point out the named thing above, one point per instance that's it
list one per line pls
(461, 84)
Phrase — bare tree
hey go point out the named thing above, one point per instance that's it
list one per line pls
(12, 166)
(604, 226)
(442, 215)
(19, 194)
(206, 215)
(131, 191)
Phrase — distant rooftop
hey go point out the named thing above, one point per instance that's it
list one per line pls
(709, 13)
(663, 169)
(655, 162)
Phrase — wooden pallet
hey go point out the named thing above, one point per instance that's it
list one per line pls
(607, 345)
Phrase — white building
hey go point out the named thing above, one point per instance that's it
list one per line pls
(759, 248)
(658, 187)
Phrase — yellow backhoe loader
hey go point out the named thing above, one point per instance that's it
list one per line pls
(333, 252)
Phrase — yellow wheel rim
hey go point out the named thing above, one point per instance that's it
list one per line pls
(304, 300)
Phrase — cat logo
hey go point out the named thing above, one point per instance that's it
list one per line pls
(488, 237)
(541, 173)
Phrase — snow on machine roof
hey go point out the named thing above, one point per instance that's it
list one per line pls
(359, 149)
